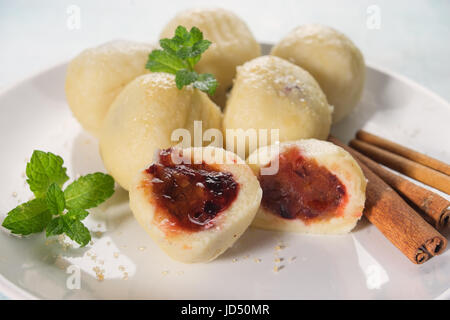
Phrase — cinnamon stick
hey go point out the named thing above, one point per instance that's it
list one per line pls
(399, 223)
(408, 167)
(403, 151)
(435, 208)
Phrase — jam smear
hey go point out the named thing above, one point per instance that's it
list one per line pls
(302, 189)
(190, 196)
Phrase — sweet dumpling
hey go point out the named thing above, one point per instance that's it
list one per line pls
(272, 93)
(332, 59)
(97, 75)
(196, 206)
(142, 119)
(232, 44)
(309, 186)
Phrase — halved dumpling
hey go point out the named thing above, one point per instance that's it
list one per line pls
(196, 202)
(309, 186)
(97, 75)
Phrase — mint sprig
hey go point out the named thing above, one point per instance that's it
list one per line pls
(44, 169)
(54, 210)
(179, 55)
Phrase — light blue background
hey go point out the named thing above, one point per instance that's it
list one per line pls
(413, 38)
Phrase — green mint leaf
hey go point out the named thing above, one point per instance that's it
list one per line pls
(77, 214)
(55, 227)
(163, 61)
(196, 35)
(71, 225)
(185, 77)
(29, 217)
(55, 199)
(76, 230)
(181, 35)
(169, 46)
(200, 47)
(43, 170)
(207, 83)
(179, 55)
(89, 191)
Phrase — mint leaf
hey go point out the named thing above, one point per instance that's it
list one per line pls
(46, 176)
(185, 77)
(43, 170)
(89, 191)
(179, 55)
(29, 217)
(55, 227)
(75, 230)
(162, 61)
(78, 214)
(55, 199)
(70, 224)
(206, 83)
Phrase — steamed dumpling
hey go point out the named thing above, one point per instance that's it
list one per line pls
(142, 118)
(232, 44)
(313, 187)
(272, 93)
(97, 75)
(332, 59)
(197, 208)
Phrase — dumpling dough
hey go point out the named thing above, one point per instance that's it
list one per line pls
(183, 229)
(97, 75)
(142, 118)
(272, 93)
(332, 59)
(318, 187)
(232, 44)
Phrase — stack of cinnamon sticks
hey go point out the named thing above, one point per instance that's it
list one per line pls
(406, 213)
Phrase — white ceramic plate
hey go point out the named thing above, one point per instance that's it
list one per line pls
(362, 265)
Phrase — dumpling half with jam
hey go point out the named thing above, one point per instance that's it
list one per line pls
(232, 44)
(309, 186)
(97, 75)
(195, 202)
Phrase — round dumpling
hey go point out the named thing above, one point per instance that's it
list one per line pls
(97, 75)
(332, 59)
(309, 186)
(142, 119)
(232, 44)
(272, 93)
(197, 206)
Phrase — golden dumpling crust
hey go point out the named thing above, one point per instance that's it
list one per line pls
(232, 44)
(332, 59)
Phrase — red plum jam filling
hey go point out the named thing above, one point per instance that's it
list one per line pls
(190, 196)
(302, 189)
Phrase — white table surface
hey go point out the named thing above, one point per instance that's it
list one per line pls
(413, 37)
